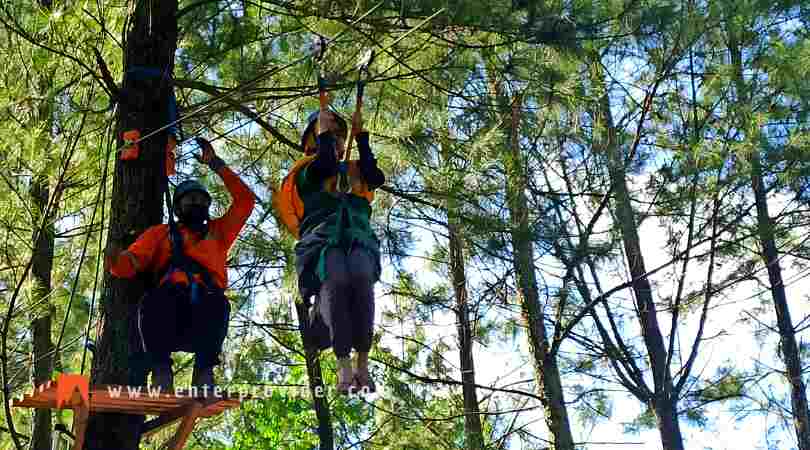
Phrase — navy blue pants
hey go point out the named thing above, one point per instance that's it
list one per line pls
(169, 322)
(346, 300)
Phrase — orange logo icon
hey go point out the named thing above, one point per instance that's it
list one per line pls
(67, 386)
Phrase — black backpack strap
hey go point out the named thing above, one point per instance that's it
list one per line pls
(176, 240)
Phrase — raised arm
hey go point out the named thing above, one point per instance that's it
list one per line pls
(242, 198)
(242, 204)
(372, 174)
(368, 163)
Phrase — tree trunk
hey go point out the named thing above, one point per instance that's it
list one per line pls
(474, 435)
(787, 335)
(41, 322)
(41, 267)
(316, 386)
(663, 400)
(472, 419)
(137, 203)
(666, 414)
(547, 372)
(770, 255)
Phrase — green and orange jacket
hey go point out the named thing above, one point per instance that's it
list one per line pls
(152, 250)
(307, 195)
(321, 218)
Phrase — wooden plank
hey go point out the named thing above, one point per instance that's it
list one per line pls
(123, 409)
(104, 393)
(102, 399)
(138, 408)
(184, 430)
(171, 417)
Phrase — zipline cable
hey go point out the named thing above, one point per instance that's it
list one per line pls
(102, 190)
(248, 83)
(248, 121)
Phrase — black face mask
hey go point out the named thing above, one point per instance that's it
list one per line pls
(194, 217)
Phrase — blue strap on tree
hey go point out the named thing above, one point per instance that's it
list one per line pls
(144, 73)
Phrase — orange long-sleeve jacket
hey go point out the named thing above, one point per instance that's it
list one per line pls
(152, 250)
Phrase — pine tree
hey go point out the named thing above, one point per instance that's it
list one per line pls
(137, 203)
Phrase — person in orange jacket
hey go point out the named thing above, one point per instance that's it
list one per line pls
(188, 310)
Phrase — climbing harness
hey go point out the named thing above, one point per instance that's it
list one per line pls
(179, 261)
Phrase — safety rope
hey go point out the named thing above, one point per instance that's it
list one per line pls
(78, 270)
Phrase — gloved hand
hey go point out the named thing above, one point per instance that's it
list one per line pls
(327, 122)
(208, 155)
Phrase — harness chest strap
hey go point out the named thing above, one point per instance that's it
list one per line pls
(179, 261)
(287, 201)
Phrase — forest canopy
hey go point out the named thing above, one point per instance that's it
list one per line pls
(593, 230)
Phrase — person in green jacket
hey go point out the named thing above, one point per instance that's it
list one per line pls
(338, 254)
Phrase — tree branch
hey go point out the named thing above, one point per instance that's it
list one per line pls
(216, 92)
(106, 77)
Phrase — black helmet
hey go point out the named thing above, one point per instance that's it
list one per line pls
(186, 187)
(313, 119)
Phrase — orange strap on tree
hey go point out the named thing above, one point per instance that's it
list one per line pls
(131, 150)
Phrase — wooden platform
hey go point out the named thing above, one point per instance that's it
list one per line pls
(168, 407)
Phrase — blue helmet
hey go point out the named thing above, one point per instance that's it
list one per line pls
(186, 187)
